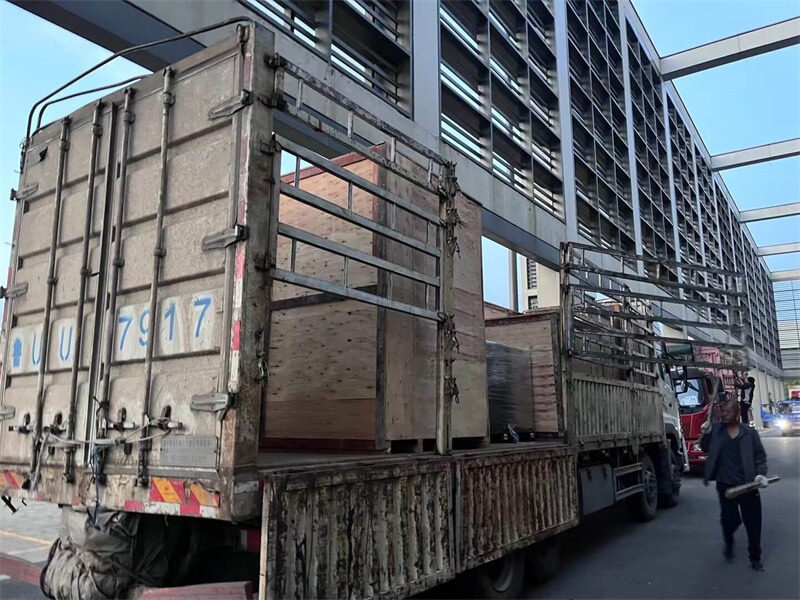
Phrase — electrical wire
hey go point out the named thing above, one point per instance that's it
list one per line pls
(118, 441)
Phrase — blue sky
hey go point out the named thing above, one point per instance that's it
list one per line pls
(751, 102)
(36, 57)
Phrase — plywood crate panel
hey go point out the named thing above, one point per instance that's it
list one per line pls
(538, 332)
(347, 374)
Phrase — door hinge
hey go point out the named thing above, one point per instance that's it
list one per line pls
(231, 106)
(25, 192)
(218, 402)
(15, 291)
(223, 239)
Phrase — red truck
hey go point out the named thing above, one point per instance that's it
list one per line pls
(695, 387)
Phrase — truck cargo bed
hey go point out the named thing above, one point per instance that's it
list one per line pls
(366, 526)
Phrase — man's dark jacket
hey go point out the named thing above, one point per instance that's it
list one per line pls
(754, 458)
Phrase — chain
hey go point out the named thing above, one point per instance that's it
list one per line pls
(450, 333)
(448, 191)
(451, 389)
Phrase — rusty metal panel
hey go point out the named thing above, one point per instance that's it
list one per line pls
(367, 532)
(648, 411)
(511, 499)
(615, 412)
(171, 172)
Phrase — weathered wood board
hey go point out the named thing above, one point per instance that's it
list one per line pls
(538, 332)
(344, 370)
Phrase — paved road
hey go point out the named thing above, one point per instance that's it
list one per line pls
(678, 555)
(27, 534)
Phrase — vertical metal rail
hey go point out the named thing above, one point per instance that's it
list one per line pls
(446, 342)
(116, 264)
(97, 132)
(167, 100)
(63, 148)
(571, 426)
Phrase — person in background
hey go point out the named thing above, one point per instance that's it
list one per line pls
(747, 388)
(736, 456)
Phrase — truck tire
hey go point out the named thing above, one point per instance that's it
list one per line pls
(669, 499)
(643, 506)
(542, 559)
(501, 579)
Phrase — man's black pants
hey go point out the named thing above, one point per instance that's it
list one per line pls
(744, 408)
(742, 509)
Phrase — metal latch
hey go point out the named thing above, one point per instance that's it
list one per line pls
(223, 239)
(231, 106)
(24, 427)
(7, 412)
(121, 424)
(25, 192)
(15, 291)
(213, 402)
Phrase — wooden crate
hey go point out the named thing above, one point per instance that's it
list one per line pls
(344, 374)
(538, 332)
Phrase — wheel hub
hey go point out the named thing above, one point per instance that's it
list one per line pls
(650, 486)
(501, 573)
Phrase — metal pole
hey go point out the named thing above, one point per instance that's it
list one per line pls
(97, 132)
(446, 388)
(571, 425)
(116, 264)
(63, 147)
(167, 100)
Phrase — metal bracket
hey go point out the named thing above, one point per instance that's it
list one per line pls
(223, 239)
(15, 291)
(7, 412)
(25, 192)
(231, 106)
(213, 402)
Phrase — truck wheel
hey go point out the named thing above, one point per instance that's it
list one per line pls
(643, 506)
(543, 559)
(670, 499)
(500, 579)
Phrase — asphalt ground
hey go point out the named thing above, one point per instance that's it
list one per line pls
(679, 553)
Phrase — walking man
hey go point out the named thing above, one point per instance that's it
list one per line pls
(736, 456)
(747, 389)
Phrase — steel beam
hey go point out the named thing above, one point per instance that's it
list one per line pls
(755, 155)
(787, 275)
(731, 49)
(778, 249)
(769, 212)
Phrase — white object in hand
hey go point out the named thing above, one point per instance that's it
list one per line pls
(762, 480)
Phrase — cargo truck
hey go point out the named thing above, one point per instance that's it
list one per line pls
(228, 356)
(697, 388)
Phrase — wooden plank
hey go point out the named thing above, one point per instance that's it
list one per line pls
(329, 358)
(410, 343)
(322, 372)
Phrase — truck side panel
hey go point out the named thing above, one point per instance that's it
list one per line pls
(609, 413)
(360, 532)
(511, 500)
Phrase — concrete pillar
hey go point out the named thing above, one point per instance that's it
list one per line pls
(425, 65)
(565, 119)
(548, 287)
